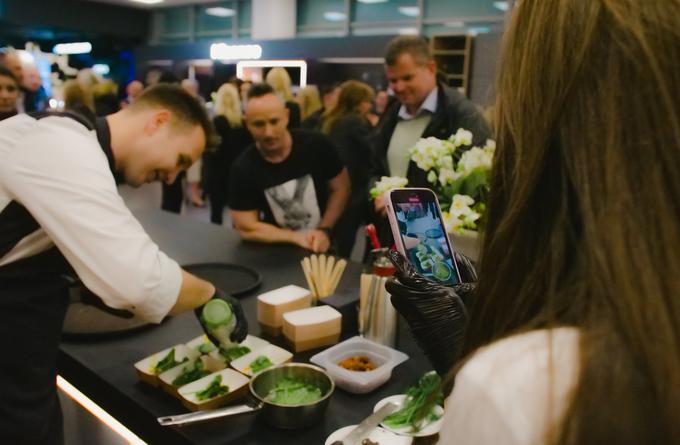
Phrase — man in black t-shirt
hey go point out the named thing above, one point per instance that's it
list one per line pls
(290, 186)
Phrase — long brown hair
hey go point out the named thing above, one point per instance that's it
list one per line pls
(352, 94)
(583, 223)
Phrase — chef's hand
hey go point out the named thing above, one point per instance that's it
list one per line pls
(436, 314)
(319, 241)
(240, 329)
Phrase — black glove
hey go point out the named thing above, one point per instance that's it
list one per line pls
(240, 330)
(436, 314)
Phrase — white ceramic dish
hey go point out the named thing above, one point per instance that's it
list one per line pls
(275, 354)
(429, 429)
(359, 382)
(145, 367)
(378, 435)
(237, 383)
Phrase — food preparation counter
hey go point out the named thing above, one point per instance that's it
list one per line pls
(103, 368)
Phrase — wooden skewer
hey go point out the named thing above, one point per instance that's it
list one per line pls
(322, 275)
(315, 272)
(337, 274)
(307, 269)
(328, 277)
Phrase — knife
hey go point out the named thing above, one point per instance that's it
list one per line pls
(367, 425)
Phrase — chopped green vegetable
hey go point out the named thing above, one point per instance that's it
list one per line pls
(260, 363)
(206, 348)
(168, 362)
(293, 392)
(234, 353)
(190, 374)
(214, 389)
(419, 404)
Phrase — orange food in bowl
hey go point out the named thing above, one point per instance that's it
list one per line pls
(357, 363)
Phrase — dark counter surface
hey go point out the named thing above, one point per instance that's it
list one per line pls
(103, 369)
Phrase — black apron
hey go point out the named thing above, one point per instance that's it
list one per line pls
(33, 302)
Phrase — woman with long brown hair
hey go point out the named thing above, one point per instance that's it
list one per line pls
(574, 334)
(348, 127)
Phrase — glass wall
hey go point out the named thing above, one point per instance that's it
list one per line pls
(315, 18)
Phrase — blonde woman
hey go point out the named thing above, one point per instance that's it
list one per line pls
(309, 100)
(279, 80)
(235, 138)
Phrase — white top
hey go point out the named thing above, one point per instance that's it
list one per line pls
(512, 391)
(55, 169)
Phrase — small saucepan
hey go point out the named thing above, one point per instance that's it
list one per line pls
(276, 415)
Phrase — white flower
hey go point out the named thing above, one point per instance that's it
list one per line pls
(461, 208)
(462, 137)
(387, 183)
(429, 152)
(451, 222)
(473, 159)
(446, 176)
(432, 177)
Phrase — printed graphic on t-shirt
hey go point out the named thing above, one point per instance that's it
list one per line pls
(294, 204)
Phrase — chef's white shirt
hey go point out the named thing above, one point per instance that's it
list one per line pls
(56, 169)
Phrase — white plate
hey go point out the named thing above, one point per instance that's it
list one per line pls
(378, 435)
(429, 430)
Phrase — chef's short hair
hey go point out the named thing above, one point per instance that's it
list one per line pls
(416, 46)
(6, 72)
(185, 108)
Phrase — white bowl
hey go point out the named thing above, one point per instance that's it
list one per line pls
(359, 382)
(377, 435)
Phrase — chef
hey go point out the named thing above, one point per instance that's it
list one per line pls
(61, 215)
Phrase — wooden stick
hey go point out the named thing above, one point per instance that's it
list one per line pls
(337, 274)
(307, 269)
(328, 277)
(322, 276)
(315, 271)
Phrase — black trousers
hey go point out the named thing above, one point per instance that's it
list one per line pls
(173, 194)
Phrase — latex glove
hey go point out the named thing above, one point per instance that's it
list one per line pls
(436, 314)
(240, 329)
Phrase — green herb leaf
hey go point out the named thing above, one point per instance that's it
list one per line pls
(206, 348)
(420, 401)
(234, 353)
(214, 389)
(190, 374)
(168, 362)
(260, 363)
(293, 392)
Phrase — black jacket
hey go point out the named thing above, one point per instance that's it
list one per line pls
(454, 111)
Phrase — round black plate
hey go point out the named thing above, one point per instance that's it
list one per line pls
(233, 279)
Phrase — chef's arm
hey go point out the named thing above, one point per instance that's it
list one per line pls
(249, 226)
(193, 293)
(339, 189)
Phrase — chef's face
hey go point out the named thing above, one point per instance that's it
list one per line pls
(267, 120)
(410, 80)
(164, 151)
(9, 92)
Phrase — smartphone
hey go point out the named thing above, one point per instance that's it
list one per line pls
(419, 233)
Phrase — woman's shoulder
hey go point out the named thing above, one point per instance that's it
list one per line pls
(522, 382)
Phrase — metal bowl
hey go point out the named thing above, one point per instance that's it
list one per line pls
(292, 416)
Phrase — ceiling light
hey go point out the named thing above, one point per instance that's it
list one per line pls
(334, 16)
(455, 24)
(219, 11)
(72, 48)
(222, 51)
(370, 2)
(411, 11)
(101, 68)
(474, 30)
(408, 31)
(148, 2)
(503, 6)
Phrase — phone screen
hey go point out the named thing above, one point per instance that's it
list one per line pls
(423, 235)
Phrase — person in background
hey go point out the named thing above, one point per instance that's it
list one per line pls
(9, 91)
(234, 139)
(573, 332)
(348, 126)
(423, 108)
(329, 96)
(132, 91)
(290, 186)
(309, 100)
(35, 96)
(243, 92)
(279, 80)
(105, 95)
(381, 101)
(194, 173)
(78, 99)
(10, 59)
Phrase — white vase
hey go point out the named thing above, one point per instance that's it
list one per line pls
(466, 242)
